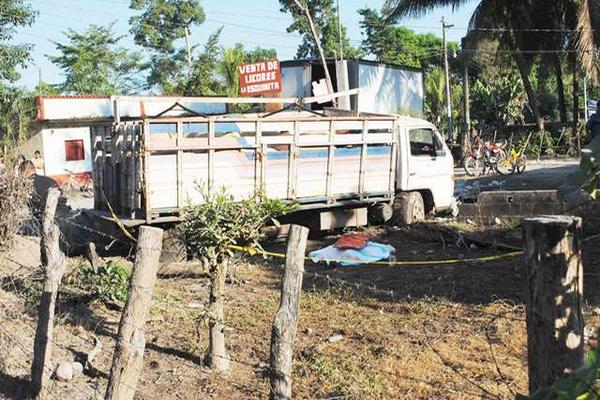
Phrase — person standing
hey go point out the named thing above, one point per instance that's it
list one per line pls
(38, 162)
(593, 126)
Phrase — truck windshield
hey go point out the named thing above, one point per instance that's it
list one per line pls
(424, 142)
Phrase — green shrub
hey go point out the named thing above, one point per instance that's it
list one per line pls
(107, 282)
(579, 384)
(209, 228)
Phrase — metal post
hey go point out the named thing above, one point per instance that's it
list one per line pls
(465, 139)
(448, 101)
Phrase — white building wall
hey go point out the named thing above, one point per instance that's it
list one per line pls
(390, 90)
(54, 150)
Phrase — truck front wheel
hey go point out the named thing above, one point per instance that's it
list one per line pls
(409, 208)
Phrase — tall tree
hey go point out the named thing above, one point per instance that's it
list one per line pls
(325, 18)
(17, 110)
(159, 25)
(93, 63)
(17, 107)
(13, 13)
(588, 38)
(204, 79)
(400, 45)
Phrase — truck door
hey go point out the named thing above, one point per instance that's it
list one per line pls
(430, 165)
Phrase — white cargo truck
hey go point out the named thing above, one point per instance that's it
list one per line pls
(340, 166)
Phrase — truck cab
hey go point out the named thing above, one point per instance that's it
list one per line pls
(425, 172)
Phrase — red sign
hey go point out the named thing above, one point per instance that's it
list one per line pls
(260, 77)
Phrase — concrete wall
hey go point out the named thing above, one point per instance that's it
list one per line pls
(54, 150)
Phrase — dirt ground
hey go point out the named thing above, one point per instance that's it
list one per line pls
(370, 332)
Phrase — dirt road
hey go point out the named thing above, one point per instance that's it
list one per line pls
(542, 175)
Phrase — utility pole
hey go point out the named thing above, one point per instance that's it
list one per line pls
(304, 8)
(340, 31)
(465, 137)
(448, 102)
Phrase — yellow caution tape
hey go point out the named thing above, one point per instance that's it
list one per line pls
(254, 251)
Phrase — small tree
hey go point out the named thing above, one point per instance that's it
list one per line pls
(208, 230)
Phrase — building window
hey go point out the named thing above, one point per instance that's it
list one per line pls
(74, 150)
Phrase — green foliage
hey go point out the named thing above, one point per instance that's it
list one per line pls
(219, 221)
(94, 64)
(498, 99)
(157, 28)
(435, 99)
(400, 45)
(162, 22)
(542, 142)
(203, 81)
(579, 385)
(17, 110)
(13, 14)
(108, 282)
(325, 19)
(587, 178)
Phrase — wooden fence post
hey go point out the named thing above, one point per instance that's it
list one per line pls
(128, 357)
(53, 262)
(554, 300)
(216, 356)
(286, 319)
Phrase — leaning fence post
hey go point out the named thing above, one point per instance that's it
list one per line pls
(53, 262)
(128, 357)
(286, 318)
(554, 300)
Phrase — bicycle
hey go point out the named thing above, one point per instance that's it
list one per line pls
(73, 183)
(515, 160)
(473, 162)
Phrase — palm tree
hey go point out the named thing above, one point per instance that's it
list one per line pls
(231, 59)
(515, 20)
(588, 38)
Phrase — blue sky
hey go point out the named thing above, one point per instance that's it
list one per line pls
(252, 22)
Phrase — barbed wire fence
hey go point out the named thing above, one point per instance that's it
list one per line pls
(92, 388)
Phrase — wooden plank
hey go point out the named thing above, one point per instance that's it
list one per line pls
(211, 155)
(146, 168)
(293, 162)
(363, 158)
(259, 159)
(393, 157)
(179, 162)
(233, 100)
(555, 297)
(330, 158)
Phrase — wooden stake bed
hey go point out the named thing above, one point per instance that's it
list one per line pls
(147, 170)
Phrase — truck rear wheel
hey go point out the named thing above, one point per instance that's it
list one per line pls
(409, 208)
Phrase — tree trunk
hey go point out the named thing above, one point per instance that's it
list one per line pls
(575, 68)
(555, 297)
(562, 102)
(524, 72)
(54, 266)
(128, 358)
(286, 320)
(217, 357)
